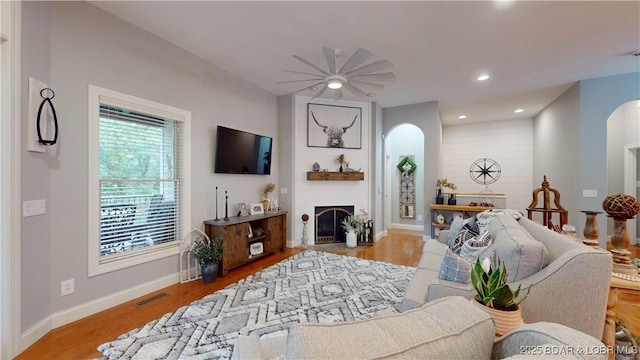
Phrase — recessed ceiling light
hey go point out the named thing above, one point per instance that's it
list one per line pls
(483, 77)
(519, 111)
(462, 117)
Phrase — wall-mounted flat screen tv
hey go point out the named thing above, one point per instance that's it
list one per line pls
(241, 152)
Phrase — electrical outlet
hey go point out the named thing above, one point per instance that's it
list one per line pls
(67, 287)
(589, 193)
(419, 217)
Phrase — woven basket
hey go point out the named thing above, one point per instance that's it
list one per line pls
(621, 206)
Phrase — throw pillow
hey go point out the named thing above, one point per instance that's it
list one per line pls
(477, 247)
(522, 255)
(456, 225)
(454, 268)
(463, 235)
(484, 218)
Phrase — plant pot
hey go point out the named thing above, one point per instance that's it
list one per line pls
(504, 321)
(209, 272)
(352, 239)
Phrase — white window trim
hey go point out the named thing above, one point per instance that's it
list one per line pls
(98, 95)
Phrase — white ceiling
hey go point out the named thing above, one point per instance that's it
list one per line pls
(534, 51)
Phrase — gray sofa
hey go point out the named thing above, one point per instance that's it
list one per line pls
(570, 289)
(449, 328)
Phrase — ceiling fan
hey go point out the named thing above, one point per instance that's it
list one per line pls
(350, 76)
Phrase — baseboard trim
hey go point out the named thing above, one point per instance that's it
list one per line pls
(380, 235)
(78, 312)
(406, 227)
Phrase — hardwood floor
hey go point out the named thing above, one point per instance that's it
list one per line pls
(78, 340)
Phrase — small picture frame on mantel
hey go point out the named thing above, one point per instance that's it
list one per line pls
(256, 209)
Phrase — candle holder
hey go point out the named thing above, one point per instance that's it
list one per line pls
(226, 206)
(591, 232)
(216, 219)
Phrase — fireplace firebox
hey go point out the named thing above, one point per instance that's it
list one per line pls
(329, 223)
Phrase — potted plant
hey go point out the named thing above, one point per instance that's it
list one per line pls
(353, 226)
(341, 160)
(208, 252)
(440, 185)
(265, 195)
(495, 296)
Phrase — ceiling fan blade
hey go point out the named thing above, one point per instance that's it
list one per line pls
(303, 73)
(308, 87)
(377, 66)
(354, 90)
(320, 92)
(292, 81)
(370, 85)
(360, 56)
(338, 95)
(330, 54)
(310, 64)
(375, 77)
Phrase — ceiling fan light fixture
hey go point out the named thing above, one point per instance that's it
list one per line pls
(334, 84)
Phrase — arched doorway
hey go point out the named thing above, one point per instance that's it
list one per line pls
(402, 141)
(623, 157)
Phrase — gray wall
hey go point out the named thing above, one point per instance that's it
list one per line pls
(598, 100)
(377, 168)
(426, 116)
(72, 45)
(36, 239)
(287, 136)
(555, 151)
(570, 142)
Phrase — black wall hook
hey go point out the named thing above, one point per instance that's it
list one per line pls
(47, 99)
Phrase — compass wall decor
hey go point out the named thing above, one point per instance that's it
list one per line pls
(485, 171)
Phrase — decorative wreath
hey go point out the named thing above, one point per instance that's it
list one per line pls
(407, 160)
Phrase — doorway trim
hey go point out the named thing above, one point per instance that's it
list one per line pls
(630, 182)
(10, 75)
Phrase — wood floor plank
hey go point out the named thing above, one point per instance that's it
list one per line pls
(78, 340)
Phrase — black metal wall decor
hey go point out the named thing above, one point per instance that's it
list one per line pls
(47, 99)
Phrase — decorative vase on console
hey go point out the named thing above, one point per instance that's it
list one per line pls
(439, 196)
(452, 199)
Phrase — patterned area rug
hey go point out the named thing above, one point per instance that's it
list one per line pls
(310, 286)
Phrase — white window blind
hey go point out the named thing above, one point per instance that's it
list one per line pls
(141, 186)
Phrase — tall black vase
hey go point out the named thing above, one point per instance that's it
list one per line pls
(439, 197)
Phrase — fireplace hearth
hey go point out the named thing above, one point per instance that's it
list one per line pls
(329, 223)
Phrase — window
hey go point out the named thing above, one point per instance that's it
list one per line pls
(139, 169)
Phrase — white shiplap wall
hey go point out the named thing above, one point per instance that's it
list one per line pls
(510, 143)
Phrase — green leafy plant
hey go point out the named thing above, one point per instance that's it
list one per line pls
(489, 279)
(356, 222)
(407, 164)
(208, 251)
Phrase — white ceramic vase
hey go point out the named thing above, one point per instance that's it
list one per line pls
(352, 241)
